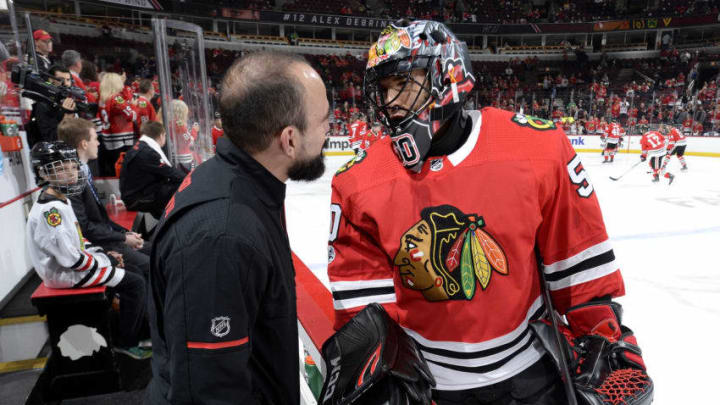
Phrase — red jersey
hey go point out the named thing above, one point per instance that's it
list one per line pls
(184, 142)
(615, 109)
(77, 82)
(216, 134)
(653, 144)
(118, 119)
(698, 129)
(675, 137)
(590, 126)
(613, 133)
(687, 125)
(357, 133)
(452, 261)
(145, 110)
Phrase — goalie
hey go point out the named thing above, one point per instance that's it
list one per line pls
(439, 223)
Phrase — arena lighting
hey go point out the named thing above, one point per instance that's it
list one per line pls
(3, 5)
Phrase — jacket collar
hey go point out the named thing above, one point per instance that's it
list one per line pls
(156, 147)
(270, 190)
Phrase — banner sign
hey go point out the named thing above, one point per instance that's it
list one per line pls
(323, 19)
(340, 21)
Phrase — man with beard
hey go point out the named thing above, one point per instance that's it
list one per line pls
(223, 314)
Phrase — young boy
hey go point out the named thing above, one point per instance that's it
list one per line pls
(60, 254)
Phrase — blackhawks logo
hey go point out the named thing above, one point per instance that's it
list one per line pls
(447, 255)
(142, 104)
(359, 157)
(533, 122)
(53, 217)
(119, 99)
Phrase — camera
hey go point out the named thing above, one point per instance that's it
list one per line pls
(36, 86)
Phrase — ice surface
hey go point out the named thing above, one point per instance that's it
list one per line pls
(666, 239)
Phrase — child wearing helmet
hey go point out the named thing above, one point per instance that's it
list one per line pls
(63, 258)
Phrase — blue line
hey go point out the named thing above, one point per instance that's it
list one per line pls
(668, 234)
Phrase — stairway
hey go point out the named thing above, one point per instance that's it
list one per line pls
(23, 333)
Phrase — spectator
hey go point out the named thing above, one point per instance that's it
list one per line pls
(72, 61)
(43, 50)
(144, 107)
(90, 211)
(46, 115)
(118, 118)
(147, 179)
(184, 137)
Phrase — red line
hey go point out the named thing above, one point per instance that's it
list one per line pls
(219, 345)
(21, 196)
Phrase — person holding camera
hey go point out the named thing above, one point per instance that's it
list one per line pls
(47, 115)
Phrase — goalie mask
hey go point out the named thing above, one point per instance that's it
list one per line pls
(57, 164)
(427, 46)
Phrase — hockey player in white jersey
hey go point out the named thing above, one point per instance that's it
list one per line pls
(63, 258)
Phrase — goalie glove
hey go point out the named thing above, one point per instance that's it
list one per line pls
(372, 361)
(605, 363)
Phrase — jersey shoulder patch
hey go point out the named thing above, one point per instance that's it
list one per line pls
(142, 104)
(536, 123)
(358, 158)
(119, 99)
(53, 217)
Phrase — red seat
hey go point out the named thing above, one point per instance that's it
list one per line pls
(45, 292)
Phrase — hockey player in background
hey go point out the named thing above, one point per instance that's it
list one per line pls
(653, 146)
(358, 131)
(60, 254)
(613, 136)
(677, 142)
(447, 222)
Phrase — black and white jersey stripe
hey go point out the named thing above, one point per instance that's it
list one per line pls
(460, 365)
(592, 263)
(353, 294)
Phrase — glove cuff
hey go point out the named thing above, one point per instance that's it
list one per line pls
(601, 319)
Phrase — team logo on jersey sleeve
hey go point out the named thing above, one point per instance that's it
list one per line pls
(447, 254)
(53, 217)
(359, 157)
(142, 104)
(533, 122)
(119, 99)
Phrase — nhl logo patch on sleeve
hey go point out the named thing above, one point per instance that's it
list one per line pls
(220, 326)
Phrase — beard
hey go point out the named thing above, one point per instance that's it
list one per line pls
(307, 170)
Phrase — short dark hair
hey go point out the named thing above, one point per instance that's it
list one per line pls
(153, 129)
(260, 97)
(57, 68)
(145, 86)
(73, 130)
(88, 71)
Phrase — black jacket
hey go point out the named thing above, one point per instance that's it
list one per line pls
(44, 121)
(222, 314)
(146, 183)
(94, 221)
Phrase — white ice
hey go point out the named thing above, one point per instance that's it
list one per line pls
(666, 239)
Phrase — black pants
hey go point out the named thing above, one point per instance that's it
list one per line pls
(132, 291)
(539, 384)
(136, 261)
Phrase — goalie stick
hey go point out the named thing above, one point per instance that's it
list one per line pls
(559, 341)
(613, 178)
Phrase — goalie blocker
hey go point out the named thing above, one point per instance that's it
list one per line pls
(605, 361)
(372, 361)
